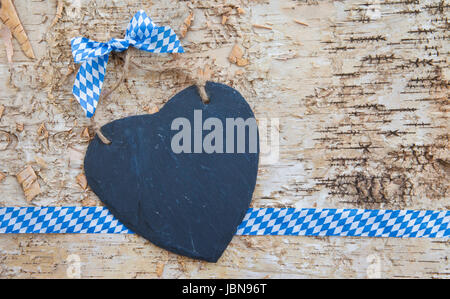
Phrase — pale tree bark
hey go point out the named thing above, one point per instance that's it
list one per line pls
(360, 90)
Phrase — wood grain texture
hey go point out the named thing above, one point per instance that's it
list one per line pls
(361, 95)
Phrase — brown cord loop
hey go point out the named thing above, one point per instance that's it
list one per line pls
(202, 91)
(200, 82)
(125, 71)
(99, 132)
(102, 137)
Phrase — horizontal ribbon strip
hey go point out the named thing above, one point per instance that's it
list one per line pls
(257, 221)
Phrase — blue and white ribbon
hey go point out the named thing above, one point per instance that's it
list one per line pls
(257, 221)
(141, 33)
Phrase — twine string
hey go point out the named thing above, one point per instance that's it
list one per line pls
(199, 82)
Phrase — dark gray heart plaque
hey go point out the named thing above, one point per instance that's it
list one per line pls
(192, 202)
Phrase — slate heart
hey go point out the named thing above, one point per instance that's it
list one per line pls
(188, 203)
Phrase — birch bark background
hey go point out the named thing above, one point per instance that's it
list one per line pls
(361, 91)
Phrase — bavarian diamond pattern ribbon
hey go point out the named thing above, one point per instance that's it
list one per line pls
(141, 33)
(34, 220)
(257, 221)
(346, 222)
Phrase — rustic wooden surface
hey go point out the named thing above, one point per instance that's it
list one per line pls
(361, 95)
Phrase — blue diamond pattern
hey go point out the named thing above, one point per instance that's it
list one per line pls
(257, 221)
(93, 56)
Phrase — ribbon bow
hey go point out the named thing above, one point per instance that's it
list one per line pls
(141, 33)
